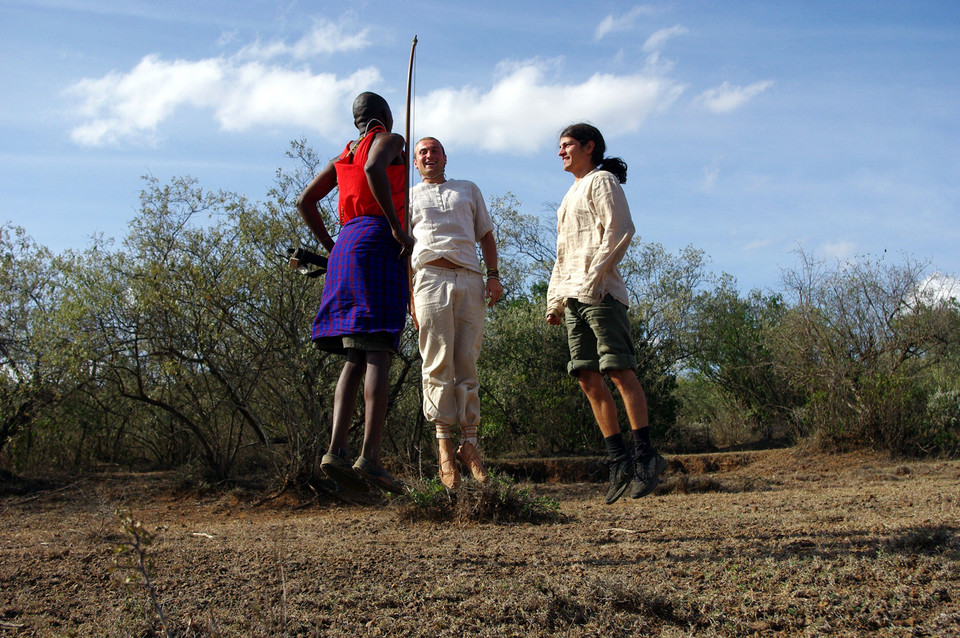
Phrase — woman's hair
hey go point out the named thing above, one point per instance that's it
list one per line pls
(584, 133)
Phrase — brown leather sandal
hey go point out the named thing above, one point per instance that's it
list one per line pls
(470, 457)
(447, 460)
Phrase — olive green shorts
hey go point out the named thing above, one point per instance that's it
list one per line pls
(599, 336)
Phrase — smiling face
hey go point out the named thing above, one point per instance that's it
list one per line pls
(430, 160)
(576, 156)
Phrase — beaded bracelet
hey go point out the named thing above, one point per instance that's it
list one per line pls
(493, 273)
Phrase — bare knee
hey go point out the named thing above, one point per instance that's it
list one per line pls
(591, 382)
(626, 381)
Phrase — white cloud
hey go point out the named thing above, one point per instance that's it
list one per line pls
(655, 44)
(523, 110)
(620, 23)
(323, 39)
(259, 95)
(840, 250)
(939, 287)
(727, 98)
(658, 40)
(119, 106)
(242, 93)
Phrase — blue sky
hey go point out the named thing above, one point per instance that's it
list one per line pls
(750, 129)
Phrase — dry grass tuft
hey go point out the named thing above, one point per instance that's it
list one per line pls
(499, 501)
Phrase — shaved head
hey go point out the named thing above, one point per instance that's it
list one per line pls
(370, 106)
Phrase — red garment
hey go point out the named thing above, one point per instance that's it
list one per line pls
(356, 198)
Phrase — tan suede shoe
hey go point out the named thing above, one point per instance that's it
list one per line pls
(470, 457)
(447, 460)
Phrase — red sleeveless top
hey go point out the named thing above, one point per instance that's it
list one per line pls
(356, 198)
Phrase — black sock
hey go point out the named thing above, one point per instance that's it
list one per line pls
(641, 442)
(615, 446)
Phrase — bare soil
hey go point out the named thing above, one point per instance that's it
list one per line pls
(775, 543)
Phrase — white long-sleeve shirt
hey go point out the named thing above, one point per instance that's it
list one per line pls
(448, 220)
(594, 229)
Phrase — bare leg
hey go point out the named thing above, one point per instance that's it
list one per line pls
(345, 399)
(601, 401)
(376, 388)
(634, 399)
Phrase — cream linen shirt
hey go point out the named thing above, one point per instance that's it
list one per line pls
(594, 229)
(448, 220)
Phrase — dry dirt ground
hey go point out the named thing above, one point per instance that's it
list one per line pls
(776, 543)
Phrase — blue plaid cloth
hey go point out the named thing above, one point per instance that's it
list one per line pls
(366, 288)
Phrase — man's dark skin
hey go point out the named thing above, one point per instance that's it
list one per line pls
(370, 367)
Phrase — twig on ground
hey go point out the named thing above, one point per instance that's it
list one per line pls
(48, 492)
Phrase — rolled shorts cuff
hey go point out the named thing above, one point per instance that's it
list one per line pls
(617, 362)
(574, 367)
(607, 362)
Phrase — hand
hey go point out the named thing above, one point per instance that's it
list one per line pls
(494, 290)
(406, 243)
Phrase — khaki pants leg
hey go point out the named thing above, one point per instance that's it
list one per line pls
(450, 308)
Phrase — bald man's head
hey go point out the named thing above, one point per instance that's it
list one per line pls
(370, 106)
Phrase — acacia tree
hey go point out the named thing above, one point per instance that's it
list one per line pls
(195, 334)
(29, 366)
(184, 327)
(526, 248)
(732, 349)
(860, 338)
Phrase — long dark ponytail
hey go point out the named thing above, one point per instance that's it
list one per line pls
(584, 133)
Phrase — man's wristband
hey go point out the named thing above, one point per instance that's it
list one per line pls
(493, 273)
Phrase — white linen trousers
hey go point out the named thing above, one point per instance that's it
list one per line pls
(450, 307)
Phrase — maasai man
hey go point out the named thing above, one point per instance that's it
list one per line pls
(364, 304)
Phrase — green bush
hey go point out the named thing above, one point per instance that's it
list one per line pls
(943, 422)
